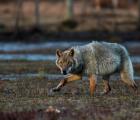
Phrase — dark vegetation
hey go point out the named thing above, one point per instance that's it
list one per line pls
(18, 22)
(30, 98)
(26, 99)
(25, 66)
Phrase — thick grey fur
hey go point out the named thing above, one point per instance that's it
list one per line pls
(103, 58)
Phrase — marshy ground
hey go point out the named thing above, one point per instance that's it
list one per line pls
(29, 97)
(25, 93)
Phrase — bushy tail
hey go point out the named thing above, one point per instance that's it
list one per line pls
(127, 73)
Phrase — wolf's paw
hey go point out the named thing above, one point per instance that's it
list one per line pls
(55, 89)
(105, 92)
(52, 91)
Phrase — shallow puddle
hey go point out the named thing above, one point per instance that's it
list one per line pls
(18, 46)
(43, 57)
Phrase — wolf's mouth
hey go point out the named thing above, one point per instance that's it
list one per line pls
(64, 72)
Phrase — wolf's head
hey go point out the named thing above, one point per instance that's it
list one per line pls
(65, 60)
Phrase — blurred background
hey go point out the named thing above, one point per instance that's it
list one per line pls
(30, 33)
(32, 30)
(81, 19)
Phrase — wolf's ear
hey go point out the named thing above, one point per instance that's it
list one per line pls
(58, 53)
(71, 52)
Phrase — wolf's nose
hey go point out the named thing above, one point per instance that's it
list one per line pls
(64, 72)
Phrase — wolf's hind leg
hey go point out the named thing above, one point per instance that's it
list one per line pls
(68, 78)
(107, 87)
(92, 80)
(127, 74)
(127, 79)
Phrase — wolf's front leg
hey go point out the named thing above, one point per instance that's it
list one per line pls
(68, 78)
(92, 81)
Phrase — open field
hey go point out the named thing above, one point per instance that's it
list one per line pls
(25, 87)
(27, 61)
(26, 98)
(73, 101)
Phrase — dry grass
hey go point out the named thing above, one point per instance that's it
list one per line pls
(25, 66)
(32, 96)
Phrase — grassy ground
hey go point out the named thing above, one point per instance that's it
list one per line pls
(24, 66)
(73, 101)
(26, 99)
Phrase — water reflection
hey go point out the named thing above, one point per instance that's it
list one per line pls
(42, 57)
(18, 46)
(31, 57)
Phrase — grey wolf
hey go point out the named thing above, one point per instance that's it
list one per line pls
(95, 58)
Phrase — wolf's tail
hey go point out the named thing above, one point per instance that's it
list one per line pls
(127, 73)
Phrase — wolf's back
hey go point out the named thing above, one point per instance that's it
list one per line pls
(104, 58)
(99, 57)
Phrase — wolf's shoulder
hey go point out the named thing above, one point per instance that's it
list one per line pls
(96, 45)
(104, 43)
(107, 44)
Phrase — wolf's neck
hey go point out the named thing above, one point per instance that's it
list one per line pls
(77, 56)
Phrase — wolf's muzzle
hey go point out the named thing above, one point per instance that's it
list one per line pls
(64, 72)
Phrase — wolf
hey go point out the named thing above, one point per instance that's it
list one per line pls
(95, 59)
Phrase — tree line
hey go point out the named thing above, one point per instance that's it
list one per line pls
(69, 6)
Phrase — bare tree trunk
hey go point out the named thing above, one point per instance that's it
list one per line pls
(84, 7)
(115, 6)
(98, 6)
(18, 14)
(69, 14)
(37, 13)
